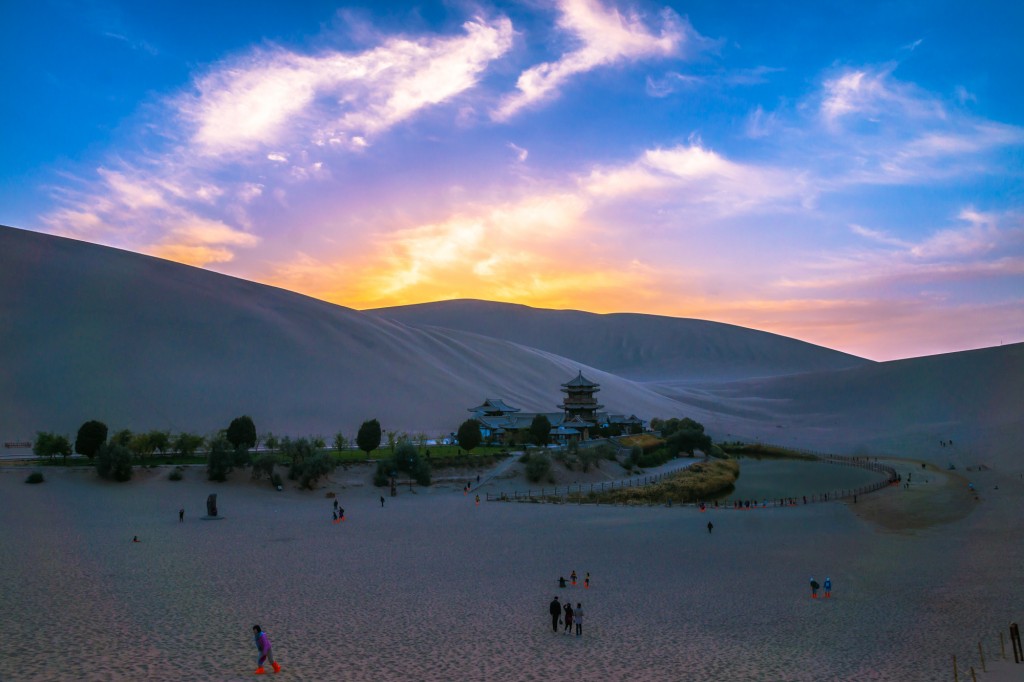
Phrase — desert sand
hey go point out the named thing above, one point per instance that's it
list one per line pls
(434, 587)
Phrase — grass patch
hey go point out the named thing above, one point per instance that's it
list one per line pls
(765, 451)
(702, 481)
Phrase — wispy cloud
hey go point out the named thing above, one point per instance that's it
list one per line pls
(606, 36)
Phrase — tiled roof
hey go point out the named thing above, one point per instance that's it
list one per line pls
(580, 382)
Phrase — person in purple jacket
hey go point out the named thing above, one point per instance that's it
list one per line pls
(263, 646)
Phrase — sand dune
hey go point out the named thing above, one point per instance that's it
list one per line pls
(638, 347)
(96, 333)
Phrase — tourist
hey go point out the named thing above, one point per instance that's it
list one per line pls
(478, 500)
(181, 515)
(561, 581)
(577, 618)
(334, 516)
(136, 539)
(828, 587)
(555, 609)
(341, 513)
(568, 617)
(814, 588)
(335, 504)
(264, 649)
(586, 581)
(710, 527)
(572, 577)
(382, 501)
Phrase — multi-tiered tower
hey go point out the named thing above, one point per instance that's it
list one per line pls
(579, 402)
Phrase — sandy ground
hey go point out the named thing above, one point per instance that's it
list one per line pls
(434, 587)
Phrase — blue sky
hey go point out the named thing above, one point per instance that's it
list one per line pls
(847, 174)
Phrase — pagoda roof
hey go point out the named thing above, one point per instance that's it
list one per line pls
(580, 382)
(493, 405)
(576, 422)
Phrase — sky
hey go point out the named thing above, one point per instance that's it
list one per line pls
(848, 174)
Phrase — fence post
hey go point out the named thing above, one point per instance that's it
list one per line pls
(981, 655)
(956, 675)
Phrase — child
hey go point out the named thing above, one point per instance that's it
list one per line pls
(577, 617)
(263, 646)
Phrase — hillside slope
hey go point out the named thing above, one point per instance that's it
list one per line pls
(138, 342)
(635, 346)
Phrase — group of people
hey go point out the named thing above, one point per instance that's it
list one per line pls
(338, 514)
(815, 586)
(568, 615)
(572, 577)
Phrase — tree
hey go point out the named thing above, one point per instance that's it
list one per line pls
(368, 438)
(271, 440)
(159, 441)
(242, 432)
(687, 436)
(540, 430)
(122, 438)
(114, 461)
(538, 467)
(340, 442)
(220, 459)
(50, 445)
(469, 434)
(91, 435)
(186, 444)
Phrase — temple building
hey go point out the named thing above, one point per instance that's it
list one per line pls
(579, 419)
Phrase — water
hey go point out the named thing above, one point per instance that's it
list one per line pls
(775, 478)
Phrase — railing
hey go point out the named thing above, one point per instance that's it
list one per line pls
(578, 489)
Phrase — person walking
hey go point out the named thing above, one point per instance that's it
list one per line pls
(335, 504)
(586, 581)
(555, 609)
(710, 527)
(265, 651)
(341, 513)
(181, 515)
(577, 617)
(828, 587)
(814, 588)
(381, 501)
(568, 618)
(572, 576)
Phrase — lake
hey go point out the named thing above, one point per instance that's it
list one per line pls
(775, 478)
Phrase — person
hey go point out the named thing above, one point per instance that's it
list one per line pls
(568, 618)
(586, 581)
(335, 504)
(828, 587)
(710, 526)
(136, 539)
(478, 500)
(341, 513)
(572, 577)
(577, 617)
(181, 515)
(382, 501)
(334, 516)
(264, 649)
(814, 588)
(561, 581)
(555, 609)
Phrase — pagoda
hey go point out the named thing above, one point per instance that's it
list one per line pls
(579, 403)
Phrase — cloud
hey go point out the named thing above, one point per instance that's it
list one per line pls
(606, 36)
(521, 154)
(696, 175)
(274, 96)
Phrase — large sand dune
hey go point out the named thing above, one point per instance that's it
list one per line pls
(96, 333)
(639, 347)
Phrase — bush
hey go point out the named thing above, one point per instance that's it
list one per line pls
(114, 462)
(175, 474)
(313, 469)
(35, 477)
(383, 473)
(263, 465)
(275, 480)
(538, 468)
(524, 458)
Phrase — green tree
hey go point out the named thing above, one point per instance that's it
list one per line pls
(368, 438)
(242, 432)
(538, 467)
(91, 435)
(122, 438)
(114, 462)
(186, 444)
(687, 436)
(51, 445)
(469, 434)
(540, 430)
(220, 459)
(340, 442)
(159, 441)
(271, 441)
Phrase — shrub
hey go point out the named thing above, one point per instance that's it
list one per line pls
(263, 465)
(175, 474)
(524, 458)
(383, 473)
(275, 480)
(538, 468)
(35, 477)
(114, 462)
(314, 468)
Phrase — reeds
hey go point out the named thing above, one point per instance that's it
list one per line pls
(702, 481)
